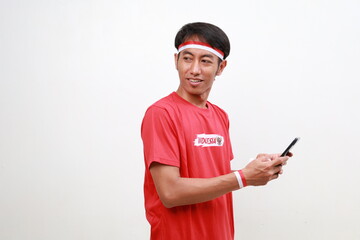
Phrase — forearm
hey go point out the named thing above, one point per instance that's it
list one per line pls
(174, 190)
(195, 190)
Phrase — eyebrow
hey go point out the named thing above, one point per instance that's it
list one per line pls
(205, 55)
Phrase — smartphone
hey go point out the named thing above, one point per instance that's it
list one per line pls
(287, 150)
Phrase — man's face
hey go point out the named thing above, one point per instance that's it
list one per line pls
(197, 70)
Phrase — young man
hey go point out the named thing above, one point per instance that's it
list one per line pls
(187, 149)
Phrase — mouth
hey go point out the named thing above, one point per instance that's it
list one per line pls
(194, 81)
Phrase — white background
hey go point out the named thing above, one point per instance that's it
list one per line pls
(77, 76)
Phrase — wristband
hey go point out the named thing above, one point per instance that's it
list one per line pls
(243, 178)
(240, 178)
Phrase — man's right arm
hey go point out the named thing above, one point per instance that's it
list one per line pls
(175, 190)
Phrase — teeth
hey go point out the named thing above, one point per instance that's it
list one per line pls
(195, 81)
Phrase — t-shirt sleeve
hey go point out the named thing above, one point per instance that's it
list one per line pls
(160, 138)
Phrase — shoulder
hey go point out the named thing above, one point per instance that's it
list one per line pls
(160, 116)
(218, 110)
(166, 104)
(165, 108)
(221, 114)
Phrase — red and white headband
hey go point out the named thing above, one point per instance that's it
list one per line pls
(201, 45)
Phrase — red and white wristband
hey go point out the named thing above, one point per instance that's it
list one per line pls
(240, 178)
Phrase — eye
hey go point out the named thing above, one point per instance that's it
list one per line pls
(207, 61)
(187, 58)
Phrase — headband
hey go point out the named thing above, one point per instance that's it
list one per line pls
(201, 45)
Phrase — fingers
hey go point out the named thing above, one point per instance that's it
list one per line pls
(277, 165)
(274, 167)
(261, 155)
(273, 156)
(264, 168)
(265, 159)
(277, 172)
(273, 177)
(280, 161)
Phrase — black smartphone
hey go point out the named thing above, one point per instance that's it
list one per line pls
(287, 150)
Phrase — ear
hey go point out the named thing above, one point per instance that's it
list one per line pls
(176, 60)
(221, 68)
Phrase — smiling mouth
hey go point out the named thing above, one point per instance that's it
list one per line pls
(195, 80)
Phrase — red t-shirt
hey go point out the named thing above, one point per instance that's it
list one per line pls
(177, 133)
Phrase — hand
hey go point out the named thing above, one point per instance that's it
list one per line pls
(264, 168)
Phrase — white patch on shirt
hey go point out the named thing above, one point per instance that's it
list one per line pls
(209, 140)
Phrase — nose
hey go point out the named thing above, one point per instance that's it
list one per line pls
(195, 68)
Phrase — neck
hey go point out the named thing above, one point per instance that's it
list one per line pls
(197, 100)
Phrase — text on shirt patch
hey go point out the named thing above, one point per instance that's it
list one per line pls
(209, 140)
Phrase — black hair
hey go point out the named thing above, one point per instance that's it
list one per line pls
(207, 33)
